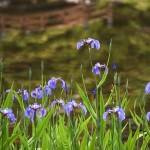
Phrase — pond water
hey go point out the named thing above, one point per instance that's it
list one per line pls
(57, 49)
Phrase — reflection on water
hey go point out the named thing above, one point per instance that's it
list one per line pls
(57, 48)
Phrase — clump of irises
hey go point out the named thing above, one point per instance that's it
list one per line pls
(70, 106)
(40, 91)
(53, 129)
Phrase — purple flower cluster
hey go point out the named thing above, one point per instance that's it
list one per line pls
(91, 42)
(33, 110)
(36, 109)
(22, 93)
(38, 92)
(70, 106)
(9, 114)
(116, 110)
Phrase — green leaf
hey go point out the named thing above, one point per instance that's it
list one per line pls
(83, 126)
(8, 102)
(24, 142)
(109, 100)
(106, 71)
(134, 118)
(129, 138)
(16, 128)
(102, 122)
(124, 102)
(43, 125)
(45, 141)
(124, 127)
(145, 143)
(10, 140)
(110, 46)
(20, 101)
(138, 119)
(106, 139)
(84, 141)
(132, 140)
(93, 141)
(5, 129)
(103, 79)
(63, 134)
(86, 101)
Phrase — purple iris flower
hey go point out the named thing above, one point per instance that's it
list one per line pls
(120, 111)
(106, 114)
(148, 116)
(117, 110)
(95, 91)
(25, 95)
(64, 85)
(97, 68)
(53, 82)
(57, 101)
(147, 88)
(91, 42)
(47, 90)
(73, 105)
(9, 114)
(35, 109)
(8, 90)
(37, 93)
(114, 66)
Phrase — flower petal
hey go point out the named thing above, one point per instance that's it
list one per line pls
(68, 108)
(106, 114)
(148, 116)
(121, 114)
(79, 44)
(29, 113)
(84, 108)
(147, 88)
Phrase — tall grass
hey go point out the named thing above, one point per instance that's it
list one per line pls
(49, 118)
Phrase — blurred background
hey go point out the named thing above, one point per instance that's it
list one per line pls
(32, 31)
